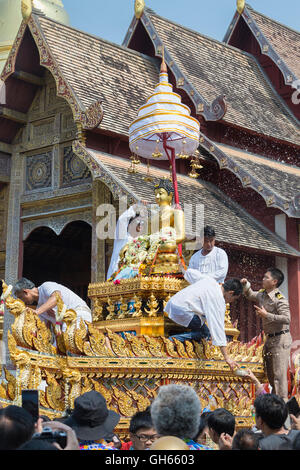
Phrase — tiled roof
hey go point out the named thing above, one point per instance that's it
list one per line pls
(91, 70)
(234, 225)
(284, 40)
(96, 69)
(215, 68)
(282, 178)
(278, 183)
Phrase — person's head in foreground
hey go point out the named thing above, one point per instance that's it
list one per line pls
(176, 411)
(169, 443)
(16, 427)
(245, 439)
(26, 291)
(141, 430)
(91, 419)
(220, 421)
(271, 413)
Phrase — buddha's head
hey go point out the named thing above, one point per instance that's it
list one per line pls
(164, 192)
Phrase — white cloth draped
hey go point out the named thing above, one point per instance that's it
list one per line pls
(121, 238)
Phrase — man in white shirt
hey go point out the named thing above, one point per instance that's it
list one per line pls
(210, 260)
(205, 299)
(45, 300)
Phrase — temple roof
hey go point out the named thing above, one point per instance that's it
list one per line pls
(277, 182)
(104, 83)
(100, 70)
(276, 40)
(285, 40)
(212, 68)
(89, 70)
(235, 226)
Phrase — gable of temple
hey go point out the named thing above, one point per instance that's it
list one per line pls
(276, 48)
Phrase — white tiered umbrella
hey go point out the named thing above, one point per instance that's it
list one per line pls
(164, 127)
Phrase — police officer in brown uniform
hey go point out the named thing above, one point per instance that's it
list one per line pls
(274, 311)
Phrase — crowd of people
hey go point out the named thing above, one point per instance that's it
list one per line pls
(173, 421)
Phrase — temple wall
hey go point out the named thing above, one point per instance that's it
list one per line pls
(50, 186)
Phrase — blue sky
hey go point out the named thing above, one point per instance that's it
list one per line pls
(110, 19)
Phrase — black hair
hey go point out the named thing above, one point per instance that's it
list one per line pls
(276, 274)
(202, 424)
(272, 409)
(16, 427)
(165, 184)
(221, 420)
(245, 439)
(209, 232)
(141, 419)
(233, 284)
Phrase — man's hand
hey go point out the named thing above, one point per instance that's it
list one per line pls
(252, 377)
(72, 442)
(261, 311)
(295, 422)
(232, 364)
(225, 441)
(244, 281)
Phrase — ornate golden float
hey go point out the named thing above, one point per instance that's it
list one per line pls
(126, 368)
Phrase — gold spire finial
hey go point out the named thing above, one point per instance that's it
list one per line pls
(139, 6)
(26, 9)
(240, 6)
(163, 66)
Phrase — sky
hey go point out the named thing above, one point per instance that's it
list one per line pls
(110, 19)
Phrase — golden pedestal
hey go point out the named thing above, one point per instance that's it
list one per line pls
(137, 305)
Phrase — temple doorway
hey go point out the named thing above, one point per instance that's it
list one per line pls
(64, 258)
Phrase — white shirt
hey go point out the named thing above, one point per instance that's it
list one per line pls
(205, 299)
(69, 298)
(214, 264)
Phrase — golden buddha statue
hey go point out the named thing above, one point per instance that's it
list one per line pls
(168, 225)
(155, 252)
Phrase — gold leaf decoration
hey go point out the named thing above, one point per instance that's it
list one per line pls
(240, 6)
(125, 403)
(137, 345)
(155, 346)
(139, 6)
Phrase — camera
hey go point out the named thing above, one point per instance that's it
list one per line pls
(52, 436)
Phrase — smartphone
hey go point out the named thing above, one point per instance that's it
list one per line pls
(30, 402)
(293, 406)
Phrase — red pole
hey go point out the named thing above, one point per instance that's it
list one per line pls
(172, 160)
